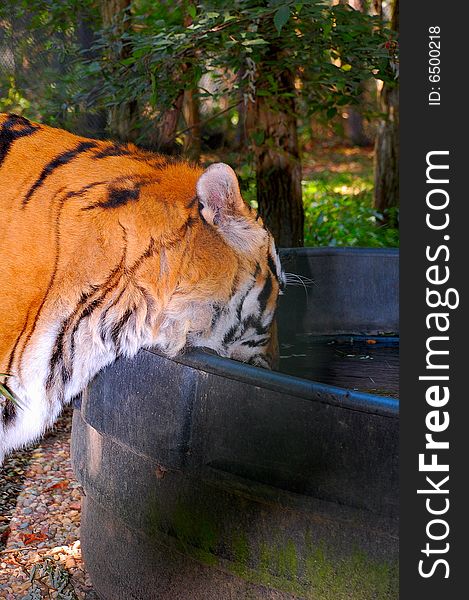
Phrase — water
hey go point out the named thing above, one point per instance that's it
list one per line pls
(366, 364)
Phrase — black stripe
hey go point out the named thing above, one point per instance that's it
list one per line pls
(55, 163)
(58, 350)
(55, 357)
(52, 278)
(217, 313)
(114, 150)
(156, 161)
(180, 233)
(13, 351)
(119, 193)
(117, 327)
(265, 293)
(150, 303)
(117, 197)
(256, 343)
(96, 303)
(239, 308)
(148, 252)
(102, 318)
(67, 373)
(84, 189)
(86, 312)
(230, 335)
(13, 128)
(272, 267)
(120, 197)
(192, 203)
(256, 324)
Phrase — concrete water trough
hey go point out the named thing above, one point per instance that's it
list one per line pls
(207, 479)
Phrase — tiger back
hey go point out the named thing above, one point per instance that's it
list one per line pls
(106, 249)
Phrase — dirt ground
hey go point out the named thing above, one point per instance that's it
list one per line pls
(40, 555)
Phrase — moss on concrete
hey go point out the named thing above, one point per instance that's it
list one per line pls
(307, 569)
(315, 575)
(196, 532)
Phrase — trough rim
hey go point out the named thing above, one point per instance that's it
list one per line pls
(208, 362)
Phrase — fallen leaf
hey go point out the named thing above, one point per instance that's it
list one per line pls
(58, 486)
(30, 538)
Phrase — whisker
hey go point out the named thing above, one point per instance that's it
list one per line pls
(307, 280)
(295, 280)
(294, 277)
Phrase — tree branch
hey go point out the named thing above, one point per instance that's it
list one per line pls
(201, 123)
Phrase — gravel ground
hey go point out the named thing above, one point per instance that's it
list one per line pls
(40, 555)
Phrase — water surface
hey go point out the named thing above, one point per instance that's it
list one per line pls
(366, 364)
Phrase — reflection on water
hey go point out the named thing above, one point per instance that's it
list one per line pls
(366, 364)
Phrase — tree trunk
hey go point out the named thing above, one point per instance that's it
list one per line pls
(122, 118)
(386, 192)
(354, 128)
(354, 122)
(191, 112)
(191, 109)
(272, 127)
(240, 135)
(162, 138)
(278, 175)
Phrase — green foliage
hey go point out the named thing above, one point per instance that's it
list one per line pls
(333, 49)
(13, 101)
(50, 577)
(338, 204)
(281, 17)
(44, 78)
(7, 393)
(339, 212)
(242, 47)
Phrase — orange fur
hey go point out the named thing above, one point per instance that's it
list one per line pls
(89, 224)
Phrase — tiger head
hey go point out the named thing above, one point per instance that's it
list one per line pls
(243, 277)
(108, 249)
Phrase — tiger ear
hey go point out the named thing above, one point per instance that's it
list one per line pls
(218, 193)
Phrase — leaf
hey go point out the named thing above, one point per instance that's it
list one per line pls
(59, 485)
(281, 17)
(346, 67)
(191, 9)
(256, 42)
(30, 538)
(8, 395)
(258, 137)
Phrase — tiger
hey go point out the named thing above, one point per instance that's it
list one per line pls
(107, 248)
